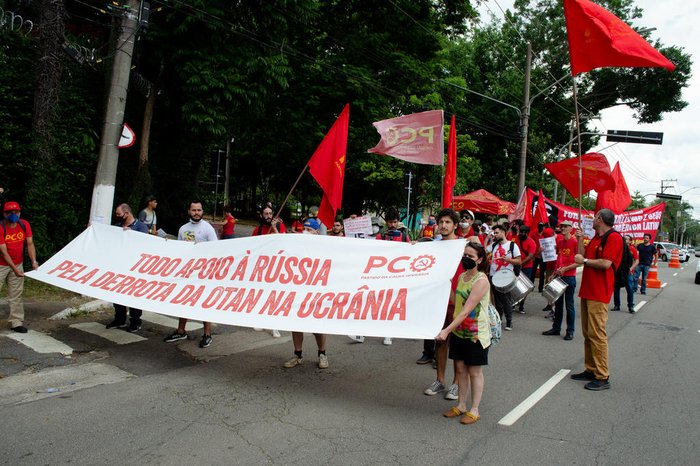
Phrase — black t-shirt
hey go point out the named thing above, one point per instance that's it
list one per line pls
(646, 253)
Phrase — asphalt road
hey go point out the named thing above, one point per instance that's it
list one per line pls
(233, 403)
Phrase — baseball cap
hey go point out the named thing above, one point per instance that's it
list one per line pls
(312, 223)
(12, 205)
(565, 223)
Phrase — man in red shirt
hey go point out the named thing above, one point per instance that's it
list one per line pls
(565, 269)
(602, 255)
(528, 249)
(16, 233)
(629, 285)
(268, 224)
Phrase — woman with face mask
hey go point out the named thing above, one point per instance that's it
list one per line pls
(469, 333)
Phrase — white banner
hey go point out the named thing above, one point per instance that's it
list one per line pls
(305, 283)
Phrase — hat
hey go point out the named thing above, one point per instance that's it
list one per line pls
(566, 223)
(11, 206)
(312, 223)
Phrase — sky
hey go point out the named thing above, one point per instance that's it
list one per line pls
(645, 165)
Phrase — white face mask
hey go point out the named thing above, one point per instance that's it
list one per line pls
(463, 225)
(375, 229)
(307, 232)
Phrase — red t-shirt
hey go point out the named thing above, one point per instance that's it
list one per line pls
(14, 240)
(598, 285)
(566, 250)
(265, 229)
(468, 234)
(526, 248)
(229, 225)
(535, 235)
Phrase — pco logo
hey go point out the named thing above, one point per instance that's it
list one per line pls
(400, 264)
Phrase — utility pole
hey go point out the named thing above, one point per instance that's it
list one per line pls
(228, 171)
(525, 117)
(103, 191)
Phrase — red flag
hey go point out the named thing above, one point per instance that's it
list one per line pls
(450, 180)
(416, 138)
(598, 39)
(540, 215)
(327, 166)
(596, 173)
(617, 199)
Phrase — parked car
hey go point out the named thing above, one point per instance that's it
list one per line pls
(663, 251)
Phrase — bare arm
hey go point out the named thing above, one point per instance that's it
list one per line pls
(8, 260)
(480, 288)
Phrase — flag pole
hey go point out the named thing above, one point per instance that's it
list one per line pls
(580, 163)
(292, 190)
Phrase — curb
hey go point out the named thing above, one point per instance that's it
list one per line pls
(91, 306)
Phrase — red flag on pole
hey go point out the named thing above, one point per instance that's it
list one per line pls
(327, 166)
(540, 215)
(416, 138)
(596, 173)
(450, 180)
(598, 39)
(617, 199)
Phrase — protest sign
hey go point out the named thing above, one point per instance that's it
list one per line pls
(549, 249)
(358, 227)
(304, 283)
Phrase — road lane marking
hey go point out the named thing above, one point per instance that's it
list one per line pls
(40, 342)
(675, 274)
(160, 319)
(663, 285)
(517, 412)
(639, 305)
(118, 336)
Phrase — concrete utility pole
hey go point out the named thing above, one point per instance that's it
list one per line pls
(525, 117)
(103, 191)
(227, 175)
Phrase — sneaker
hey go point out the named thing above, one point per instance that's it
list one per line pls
(643, 292)
(452, 392)
(322, 361)
(357, 338)
(205, 341)
(176, 336)
(509, 326)
(20, 329)
(585, 375)
(434, 388)
(387, 341)
(275, 334)
(521, 311)
(134, 326)
(597, 385)
(424, 359)
(631, 309)
(295, 361)
(115, 323)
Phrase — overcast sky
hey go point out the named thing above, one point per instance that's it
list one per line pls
(643, 165)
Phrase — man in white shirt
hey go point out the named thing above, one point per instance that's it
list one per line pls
(196, 230)
(503, 255)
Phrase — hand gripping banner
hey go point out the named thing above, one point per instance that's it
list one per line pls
(288, 282)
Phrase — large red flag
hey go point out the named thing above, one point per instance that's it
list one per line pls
(450, 180)
(596, 173)
(540, 215)
(617, 199)
(416, 138)
(598, 39)
(327, 166)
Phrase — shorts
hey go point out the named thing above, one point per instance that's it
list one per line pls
(472, 353)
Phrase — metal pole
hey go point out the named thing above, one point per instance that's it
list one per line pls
(408, 202)
(106, 174)
(227, 175)
(216, 183)
(524, 120)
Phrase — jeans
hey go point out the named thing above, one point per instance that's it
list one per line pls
(120, 314)
(642, 270)
(630, 294)
(568, 298)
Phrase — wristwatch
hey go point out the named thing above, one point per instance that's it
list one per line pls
(585, 260)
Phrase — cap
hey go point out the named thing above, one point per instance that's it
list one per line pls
(312, 223)
(11, 206)
(565, 223)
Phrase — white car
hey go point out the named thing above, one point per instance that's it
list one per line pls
(663, 251)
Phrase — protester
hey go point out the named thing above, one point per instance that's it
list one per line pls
(16, 233)
(148, 215)
(528, 249)
(647, 253)
(268, 223)
(196, 230)
(337, 229)
(126, 220)
(469, 333)
(229, 224)
(429, 229)
(465, 229)
(448, 220)
(629, 287)
(311, 227)
(313, 213)
(565, 269)
(503, 255)
(599, 262)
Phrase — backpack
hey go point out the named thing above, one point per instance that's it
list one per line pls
(623, 271)
(516, 268)
(494, 324)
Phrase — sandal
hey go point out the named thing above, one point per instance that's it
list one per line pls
(453, 412)
(469, 418)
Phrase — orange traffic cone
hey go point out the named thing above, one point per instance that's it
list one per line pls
(652, 277)
(674, 263)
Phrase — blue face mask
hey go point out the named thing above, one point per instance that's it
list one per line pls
(13, 218)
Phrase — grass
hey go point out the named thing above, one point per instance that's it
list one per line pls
(39, 290)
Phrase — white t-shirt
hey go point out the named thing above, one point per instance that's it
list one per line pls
(197, 232)
(498, 251)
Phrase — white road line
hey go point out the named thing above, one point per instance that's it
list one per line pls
(171, 322)
(517, 412)
(40, 342)
(675, 274)
(663, 285)
(116, 335)
(639, 306)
